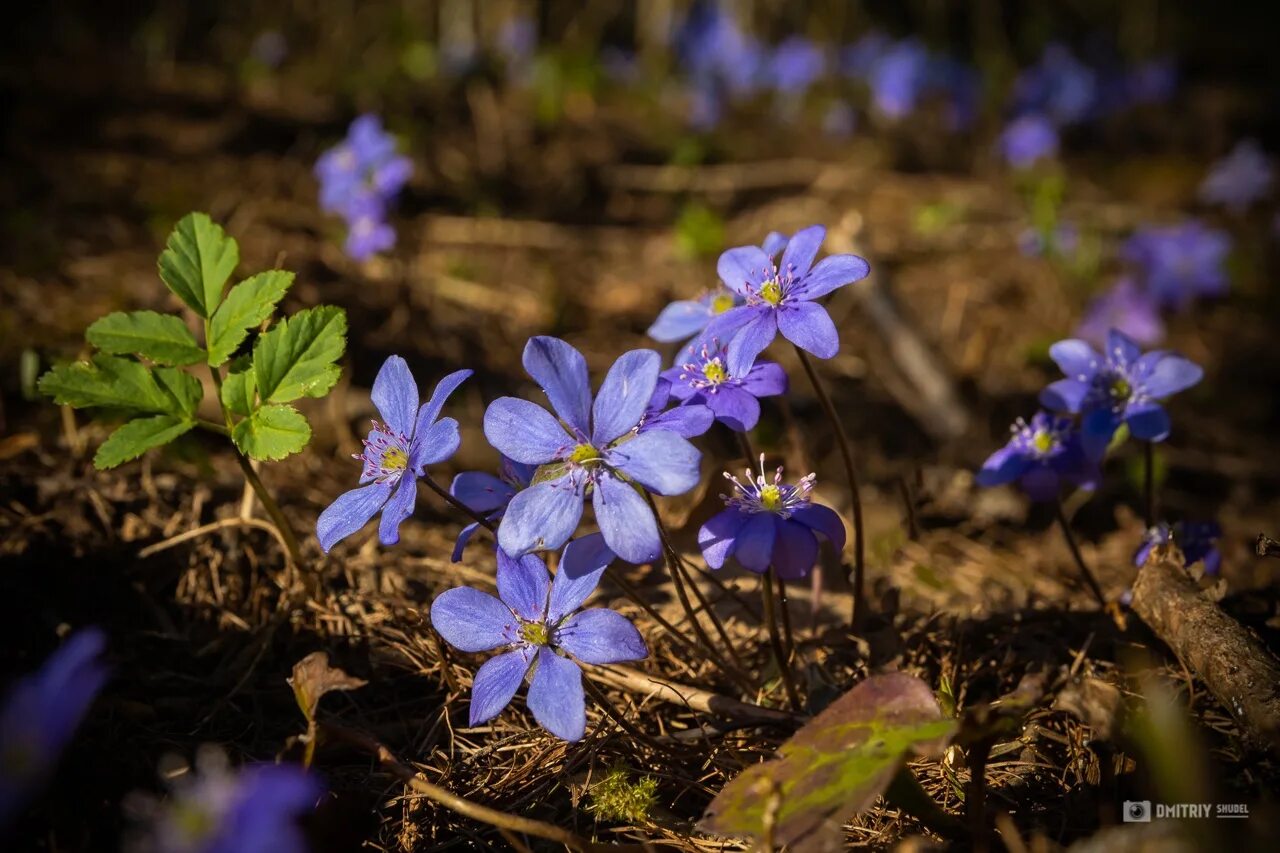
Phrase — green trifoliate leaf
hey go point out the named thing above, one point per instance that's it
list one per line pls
(248, 304)
(272, 432)
(296, 358)
(239, 389)
(197, 261)
(112, 382)
(137, 437)
(162, 338)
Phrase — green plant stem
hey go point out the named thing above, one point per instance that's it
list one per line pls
(775, 640)
(1149, 483)
(1085, 572)
(846, 451)
(459, 505)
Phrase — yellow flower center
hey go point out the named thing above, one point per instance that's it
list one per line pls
(770, 498)
(194, 822)
(721, 303)
(394, 459)
(584, 453)
(771, 291)
(535, 633)
(1042, 442)
(714, 372)
(1121, 389)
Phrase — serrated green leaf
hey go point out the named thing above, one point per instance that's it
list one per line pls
(184, 389)
(163, 338)
(119, 383)
(272, 432)
(296, 358)
(248, 304)
(239, 390)
(197, 261)
(137, 437)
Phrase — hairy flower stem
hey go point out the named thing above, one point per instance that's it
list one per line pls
(1085, 572)
(842, 439)
(1149, 483)
(459, 505)
(775, 640)
(788, 639)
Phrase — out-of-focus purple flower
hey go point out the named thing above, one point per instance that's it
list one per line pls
(269, 48)
(367, 233)
(769, 522)
(796, 64)
(1119, 385)
(488, 494)
(404, 442)
(704, 379)
(780, 297)
(532, 618)
(857, 60)
(1239, 179)
(220, 810)
(1063, 241)
(1027, 140)
(1125, 307)
(684, 318)
(898, 78)
(517, 40)
(1179, 263)
(589, 448)
(1198, 540)
(1152, 82)
(713, 47)
(40, 714)
(1059, 86)
(359, 178)
(687, 421)
(1042, 456)
(840, 120)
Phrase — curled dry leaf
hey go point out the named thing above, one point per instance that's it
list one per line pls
(313, 677)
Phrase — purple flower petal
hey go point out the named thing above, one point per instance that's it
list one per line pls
(1172, 374)
(832, 273)
(744, 268)
(542, 516)
(464, 536)
(774, 242)
(601, 636)
(395, 395)
(688, 421)
(480, 491)
(808, 326)
(795, 550)
(1148, 421)
(1076, 358)
(350, 512)
(625, 519)
(1041, 484)
(555, 696)
(570, 589)
(561, 371)
(661, 461)
(751, 340)
(825, 520)
(765, 379)
(725, 326)
(679, 321)
(1122, 349)
(431, 409)
(1003, 466)
(397, 509)
(523, 585)
(624, 394)
(524, 431)
(1065, 395)
(754, 548)
(473, 621)
(496, 682)
(735, 408)
(802, 248)
(434, 444)
(718, 536)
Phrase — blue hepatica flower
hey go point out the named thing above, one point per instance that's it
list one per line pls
(1126, 308)
(590, 448)
(1180, 263)
(359, 178)
(898, 78)
(1239, 179)
(488, 494)
(1041, 456)
(689, 420)
(797, 63)
(1028, 140)
(1198, 541)
(703, 379)
(396, 453)
(532, 619)
(220, 810)
(1059, 86)
(780, 298)
(770, 523)
(1119, 385)
(40, 714)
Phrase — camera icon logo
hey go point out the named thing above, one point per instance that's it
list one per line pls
(1137, 811)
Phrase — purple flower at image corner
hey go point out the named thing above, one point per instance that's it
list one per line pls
(533, 618)
(588, 447)
(767, 522)
(1120, 385)
(703, 379)
(1126, 308)
(1179, 263)
(796, 64)
(780, 297)
(1042, 456)
(218, 809)
(684, 419)
(1027, 140)
(396, 453)
(1238, 180)
(41, 712)
(1198, 540)
(487, 494)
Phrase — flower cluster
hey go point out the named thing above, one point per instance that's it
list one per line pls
(359, 179)
(1178, 264)
(1198, 541)
(1238, 180)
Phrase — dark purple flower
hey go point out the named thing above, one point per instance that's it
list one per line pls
(859, 59)
(405, 441)
(704, 379)
(1198, 540)
(532, 618)
(1151, 82)
(780, 298)
(1119, 385)
(1027, 140)
(686, 420)
(1059, 86)
(488, 494)
(768, 523)
(1180, 263)
(589, 448)
(1041, 456)
(1239, 179)
(40, 714)
(796, 64)
(1125, 307)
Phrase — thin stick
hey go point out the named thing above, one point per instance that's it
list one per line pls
(459, 505)
(695, 698)
(212, 527)
(771, 618)
(1149, 483)
(846, 452)
(1085, 572)
(602, 699)
(704, 606)
(909, 505)
(787, 636)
